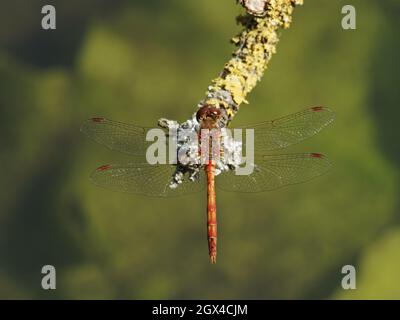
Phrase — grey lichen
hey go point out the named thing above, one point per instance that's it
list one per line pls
(189, 159)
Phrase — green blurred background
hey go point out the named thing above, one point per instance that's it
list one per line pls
(137, 61)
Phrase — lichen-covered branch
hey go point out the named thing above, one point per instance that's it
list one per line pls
(255, 46)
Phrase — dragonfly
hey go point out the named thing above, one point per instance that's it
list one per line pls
(271, 171)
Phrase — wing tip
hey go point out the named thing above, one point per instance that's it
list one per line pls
(321, 108)
(84, 125)
(95, 176)
(103, 168)
(97, 119)
(324, 159)
(318, 108)
(317, 155)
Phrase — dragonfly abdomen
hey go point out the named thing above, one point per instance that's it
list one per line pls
(211, 212)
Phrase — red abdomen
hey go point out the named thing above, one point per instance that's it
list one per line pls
(211, 213)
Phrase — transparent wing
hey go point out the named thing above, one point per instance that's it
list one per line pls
(142, 178)
(122, 137)
(283, 132)
(275, 171)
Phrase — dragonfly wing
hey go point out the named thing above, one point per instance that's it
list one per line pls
(283, 132)
(122, 137)
(275, 171)
(146, 179)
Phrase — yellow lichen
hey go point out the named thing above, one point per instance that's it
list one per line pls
(256, 45)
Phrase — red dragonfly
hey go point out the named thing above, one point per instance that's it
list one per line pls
(271, 171)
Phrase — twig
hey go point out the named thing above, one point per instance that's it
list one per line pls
(255, 46)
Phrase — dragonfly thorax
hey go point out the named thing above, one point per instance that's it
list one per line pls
(197, 147)
(209, 117)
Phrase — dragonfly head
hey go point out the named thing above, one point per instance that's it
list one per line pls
(208, 117)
